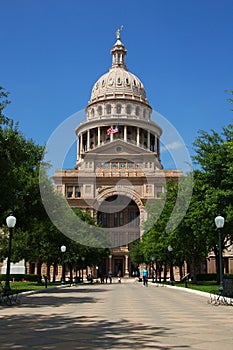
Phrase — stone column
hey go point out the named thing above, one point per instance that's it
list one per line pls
(125, 133)
(126, 265)
(81, 143)
(158, 148)
(78, 148)
(88, 140)
(111, 135)
(148, 140)
(138, 137)
(98, 135)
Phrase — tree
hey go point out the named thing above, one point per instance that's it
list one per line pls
(19, 169)
(214, 154)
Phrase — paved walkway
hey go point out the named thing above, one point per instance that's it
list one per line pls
(116, 316)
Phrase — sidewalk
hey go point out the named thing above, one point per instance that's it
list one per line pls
(116, 316)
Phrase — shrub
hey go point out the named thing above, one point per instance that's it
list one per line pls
(20, 277)
(207, 277)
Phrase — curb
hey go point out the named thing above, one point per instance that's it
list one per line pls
(187, 290)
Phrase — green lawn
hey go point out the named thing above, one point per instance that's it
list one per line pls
(205, 286)
(19, 287)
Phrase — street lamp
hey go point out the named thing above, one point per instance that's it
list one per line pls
(10, 221)
(219, 222)
(63, 250)
(152, 265)
(83, 259)
(170, 249)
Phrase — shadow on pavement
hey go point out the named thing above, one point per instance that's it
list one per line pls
(58, 297)
(59, 332)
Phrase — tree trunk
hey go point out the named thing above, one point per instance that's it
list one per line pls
(165, 272)
(39, 277)
(71, 273)
(181, 271)
(48, 271)
(54, 271)
(194, 270)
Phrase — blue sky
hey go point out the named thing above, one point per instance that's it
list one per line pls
(52, 52)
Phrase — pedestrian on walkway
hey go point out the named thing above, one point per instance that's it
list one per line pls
(145, 276)
(119, 277)
(110, 276)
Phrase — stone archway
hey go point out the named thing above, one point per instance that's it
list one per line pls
(107, 192)
(120, 214)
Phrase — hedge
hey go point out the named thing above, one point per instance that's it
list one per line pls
(20, 277)
(206, 277)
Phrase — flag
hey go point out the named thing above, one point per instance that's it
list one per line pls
(112, 130)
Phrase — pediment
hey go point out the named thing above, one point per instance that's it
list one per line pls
(119, 147)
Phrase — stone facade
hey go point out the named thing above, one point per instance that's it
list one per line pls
(118, 160)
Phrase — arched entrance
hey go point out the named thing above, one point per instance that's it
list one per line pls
(120, 216)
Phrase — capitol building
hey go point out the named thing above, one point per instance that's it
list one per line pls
(118, 168)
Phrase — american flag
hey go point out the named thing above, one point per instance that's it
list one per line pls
(112, 130)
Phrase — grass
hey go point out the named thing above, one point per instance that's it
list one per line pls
(19, 287)
(203, 286)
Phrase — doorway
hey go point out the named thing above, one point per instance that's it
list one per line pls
(118, 266)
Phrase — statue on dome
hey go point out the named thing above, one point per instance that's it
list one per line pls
(118, 32)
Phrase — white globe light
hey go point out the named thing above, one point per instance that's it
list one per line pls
(219, 221)
(63, 248)
(11, 221)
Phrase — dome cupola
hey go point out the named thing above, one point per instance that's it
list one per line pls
(118, 82)
(118, 52)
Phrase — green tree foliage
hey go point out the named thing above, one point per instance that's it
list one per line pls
(196, 235)
(136, 254)
(19, 168)
(157, 237)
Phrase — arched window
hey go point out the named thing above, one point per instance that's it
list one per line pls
(92, 112)
(100, 110)
(144, 113)
(109, 109)
(118, 108)
(137, 111)
(118, 81)
(128, 109)
(127, 81)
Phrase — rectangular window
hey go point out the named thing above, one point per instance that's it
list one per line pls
(115, 219)
(131, 218)
(77, 192)
(69, 191)
(159, 191)
(121, 219)
(105, 220)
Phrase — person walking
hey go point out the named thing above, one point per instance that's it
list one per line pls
(145, 276)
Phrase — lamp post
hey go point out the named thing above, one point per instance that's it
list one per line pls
(152, 265)
(169, 248)
(219, 222)
(83, 259)
(63, 250)
(10, 221)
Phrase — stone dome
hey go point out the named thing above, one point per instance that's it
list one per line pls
(118, 83)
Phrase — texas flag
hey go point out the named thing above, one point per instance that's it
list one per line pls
(112, 130)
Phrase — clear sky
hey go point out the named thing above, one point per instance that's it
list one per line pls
(53, 51)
